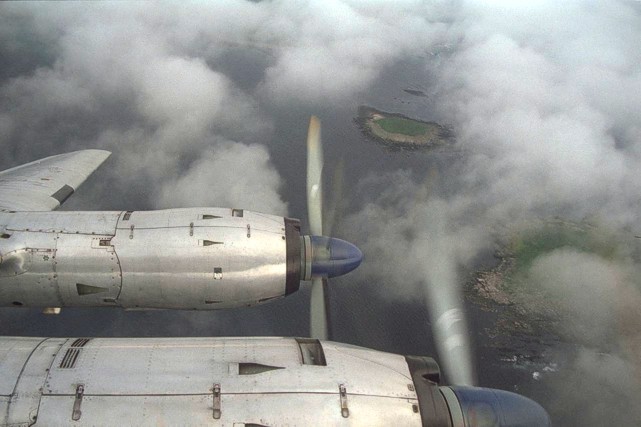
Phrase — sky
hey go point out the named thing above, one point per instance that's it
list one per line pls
(205, 104)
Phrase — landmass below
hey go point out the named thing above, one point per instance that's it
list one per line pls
(528, 318)
(415, 92)
(398, 131)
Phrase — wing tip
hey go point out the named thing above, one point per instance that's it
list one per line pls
(96, 151)
(92, 155)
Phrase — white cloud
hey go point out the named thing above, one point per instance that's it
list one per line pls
(232, 174)
(543, 97)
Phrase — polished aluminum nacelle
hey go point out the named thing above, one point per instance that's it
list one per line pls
(196, 258)
(237, 382)
(202, 381)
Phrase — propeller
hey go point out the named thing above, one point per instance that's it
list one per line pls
(335, 206)
(318, 327)
(315, 177)
(324, 257)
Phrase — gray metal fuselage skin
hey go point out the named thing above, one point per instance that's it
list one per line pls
(202, 381)
(195, 258)
(260, 381)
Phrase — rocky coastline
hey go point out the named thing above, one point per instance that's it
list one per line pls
(435, 135)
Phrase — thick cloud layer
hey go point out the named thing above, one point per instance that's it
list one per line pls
(120, 83)
(232, 174)
(543, 98)
(577, 280)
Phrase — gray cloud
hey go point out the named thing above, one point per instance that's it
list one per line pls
(543, 98)
(540, 96)
(424, 241)
(119, 83)
(596, 389)
(333, 52)
(232, 174)
(592, 290)
(601, 305)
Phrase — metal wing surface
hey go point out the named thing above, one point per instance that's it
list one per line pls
(45, 184)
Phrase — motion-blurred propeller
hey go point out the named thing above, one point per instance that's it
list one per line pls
(324, 257)
(315, 177)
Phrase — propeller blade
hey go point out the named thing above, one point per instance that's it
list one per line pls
(318, 306)
(319, 310)
(315, 177)
(335, 205)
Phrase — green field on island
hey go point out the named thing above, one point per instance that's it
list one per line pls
(529, 246)
(402, 126)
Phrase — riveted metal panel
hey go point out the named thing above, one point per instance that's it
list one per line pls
(82, 260)
(392, 373)
(164, 366)
(36, 284)
(153, 381)
(170, 218)
(127, 410)
(15, 262)
(307, 409)
(169, 267)
(272, 409)
(265, 222)
(156, 259)
(103, 223)
(316, 409)
(192, 365)
(23, 406)
(14, 353)
(202, 217)
(57, 251)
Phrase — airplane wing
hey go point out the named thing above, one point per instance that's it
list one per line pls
(45, 184)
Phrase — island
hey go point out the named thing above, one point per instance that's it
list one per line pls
(415, 92)
(401, 132)
(541, 316)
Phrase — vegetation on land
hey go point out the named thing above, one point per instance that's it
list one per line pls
(529, 245)
(400, 132)
(402, 126)
(508, 284)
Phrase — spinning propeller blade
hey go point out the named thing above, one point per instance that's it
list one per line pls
(324, 257)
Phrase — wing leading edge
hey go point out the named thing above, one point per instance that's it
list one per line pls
(45, 184)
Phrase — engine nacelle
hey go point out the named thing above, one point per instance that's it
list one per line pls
(196, 258)
(462, 406)
(237, 381)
